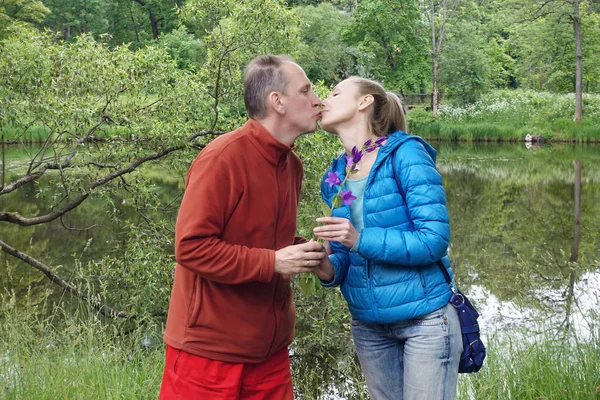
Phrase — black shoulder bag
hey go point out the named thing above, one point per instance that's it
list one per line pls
(473, 352)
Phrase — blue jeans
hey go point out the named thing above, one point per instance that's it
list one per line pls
(413, 359)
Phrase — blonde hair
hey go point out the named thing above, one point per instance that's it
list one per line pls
(387, 114)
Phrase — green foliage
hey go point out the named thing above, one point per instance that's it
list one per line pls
(540, 38)
(388, 45)
(188, 51)
(26, 11)
(233, 40)
(549, 367)
(70, 88)
(501, 64)
(72, 18)
(320, 51)
(464, 65)
(511, 114)
(418, 117)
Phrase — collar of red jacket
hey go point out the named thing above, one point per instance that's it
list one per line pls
(271, 148)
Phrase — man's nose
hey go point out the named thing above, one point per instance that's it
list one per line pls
(316, 101)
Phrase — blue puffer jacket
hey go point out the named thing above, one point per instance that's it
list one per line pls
(394, 275)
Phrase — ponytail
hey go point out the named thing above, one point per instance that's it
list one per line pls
(397, 118)
(387, 114)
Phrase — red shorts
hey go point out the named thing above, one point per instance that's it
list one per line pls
(190, 377)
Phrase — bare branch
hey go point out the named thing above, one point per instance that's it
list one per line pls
(15, 218)
(101, 308)
(76, 229)
(30, 177)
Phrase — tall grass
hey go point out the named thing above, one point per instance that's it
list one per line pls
(509, 115)
(545, 368)
(79, 356)
(39, 134)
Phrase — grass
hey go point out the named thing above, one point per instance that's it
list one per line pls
(509, 115)
(547, 368)
(39, 134)
(82, 357)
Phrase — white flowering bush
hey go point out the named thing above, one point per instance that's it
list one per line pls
(516, 105)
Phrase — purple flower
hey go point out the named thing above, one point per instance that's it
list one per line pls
(356, 155)
(333, 178)
(347, 197)
(348, 161)
(368, 143)
(370, 149)
(380, 140)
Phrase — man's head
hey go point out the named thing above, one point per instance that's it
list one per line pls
(277, 89)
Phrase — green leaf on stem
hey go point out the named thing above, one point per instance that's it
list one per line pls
(326, 210)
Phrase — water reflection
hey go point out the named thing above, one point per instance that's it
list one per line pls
(500, 317)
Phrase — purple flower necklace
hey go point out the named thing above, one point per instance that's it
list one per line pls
(333, 178)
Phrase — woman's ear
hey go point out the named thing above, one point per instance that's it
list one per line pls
(365, 101)
(274, 101)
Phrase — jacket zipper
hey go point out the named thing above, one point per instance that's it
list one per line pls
(369, 283)
(278, 199)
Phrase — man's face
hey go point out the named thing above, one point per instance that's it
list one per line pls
(301, 103)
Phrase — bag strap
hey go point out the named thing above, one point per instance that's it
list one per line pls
(439, 262)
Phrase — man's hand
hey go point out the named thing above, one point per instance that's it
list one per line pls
(336, 230)
(299, 258)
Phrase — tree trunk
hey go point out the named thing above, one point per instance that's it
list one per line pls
(579, 64)
(577, 201)
(575, 249)
(435, 92)
(434, 47)
(154, 24)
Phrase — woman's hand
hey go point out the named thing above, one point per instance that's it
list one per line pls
(328, 249)
(325, 270)
(337, 230)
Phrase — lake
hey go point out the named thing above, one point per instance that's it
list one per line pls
(512, 221)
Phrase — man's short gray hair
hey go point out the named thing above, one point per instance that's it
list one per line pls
(262, 76)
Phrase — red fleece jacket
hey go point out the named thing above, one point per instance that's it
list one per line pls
(240, 205)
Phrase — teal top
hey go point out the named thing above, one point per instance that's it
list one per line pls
(357, 186)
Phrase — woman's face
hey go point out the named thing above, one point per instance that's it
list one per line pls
(341, 107)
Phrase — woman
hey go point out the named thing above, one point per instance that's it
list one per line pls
(386, 239)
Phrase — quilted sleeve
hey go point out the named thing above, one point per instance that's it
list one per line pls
(427, 240)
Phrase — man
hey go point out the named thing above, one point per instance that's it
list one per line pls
(231, 315)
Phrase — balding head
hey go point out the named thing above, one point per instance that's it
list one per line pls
(263, 75)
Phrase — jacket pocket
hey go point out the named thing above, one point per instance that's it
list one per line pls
(196, 302)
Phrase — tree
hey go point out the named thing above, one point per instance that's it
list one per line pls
(159, 12)
(75, 17)
(464, 63)
(438, 14)
(106, 113)
(28, 11)
(236, 33)
(346, 5)
(321, 51)
(139, 103)
(185, 48)
(578, 63)
(389, 43)
(558, 11)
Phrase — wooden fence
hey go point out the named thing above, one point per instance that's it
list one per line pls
(412, 100)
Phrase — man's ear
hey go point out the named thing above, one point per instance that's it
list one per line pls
(365, 101)
(274, 101)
